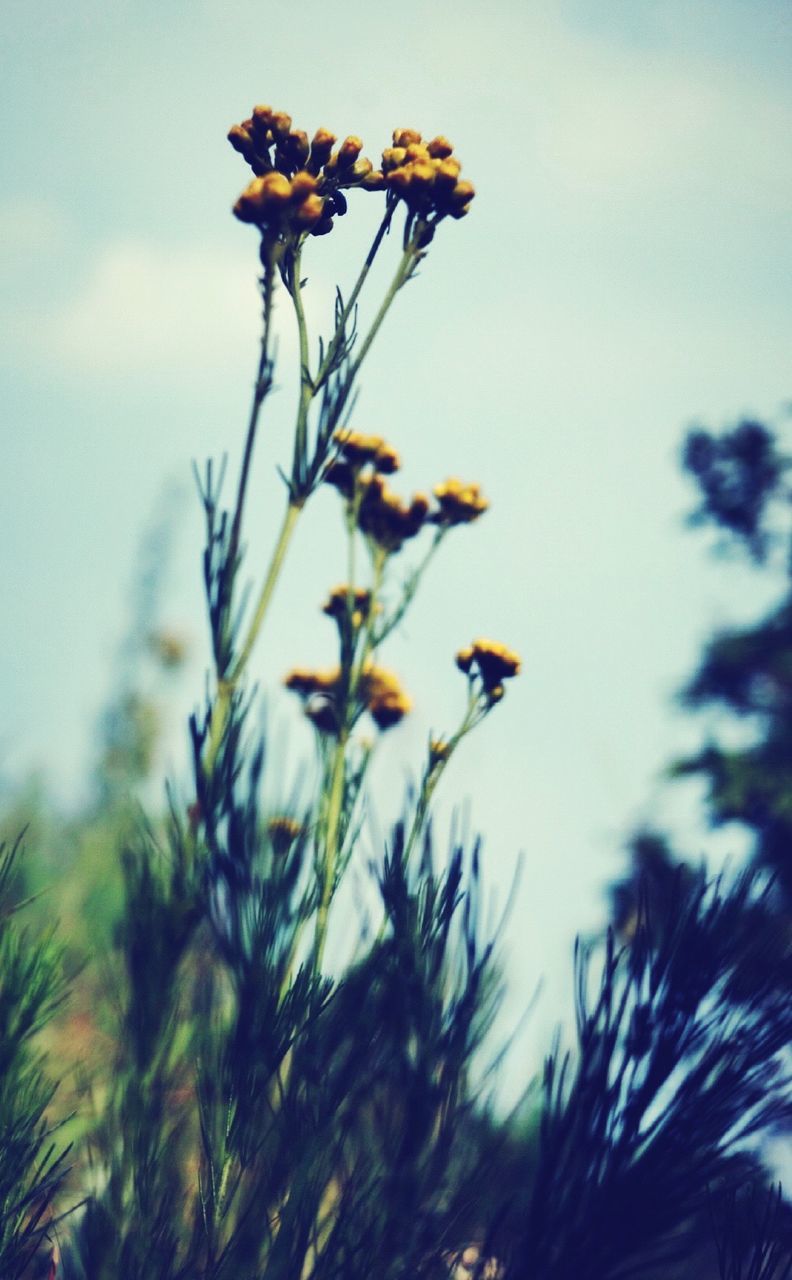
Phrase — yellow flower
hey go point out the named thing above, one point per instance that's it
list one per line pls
(459, 503)
(385, 518)
(493, 663)
(283, 832)
(386, 701)
(337, 604)
(297, 186)
(358, 450)
(426, 177)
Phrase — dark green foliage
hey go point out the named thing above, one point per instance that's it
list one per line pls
(32, 1165)
(738, 472)
(677, 1066)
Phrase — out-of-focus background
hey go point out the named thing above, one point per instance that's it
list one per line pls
(624, 273)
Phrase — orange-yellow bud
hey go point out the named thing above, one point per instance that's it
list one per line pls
(421, 174)
(275, 189)
(240, 139)
(309, 212)
(439, 148)
(362, 167)
(403, 137)
(349, 151)
(280, 124)
(303, 184)
(374, 181)
(417, 151)
(321, 146)
(262, 116)
(447, 173)
(393, 157)
(399, 178)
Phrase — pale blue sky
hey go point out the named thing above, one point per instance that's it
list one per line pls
(625, 271)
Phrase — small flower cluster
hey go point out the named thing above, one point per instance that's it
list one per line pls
(299, 184)
(357, 472)
(379, 692)
(344, 603)
(426, 176)
(386, 519)
(458, 503)
(492, 662)
(283, 831)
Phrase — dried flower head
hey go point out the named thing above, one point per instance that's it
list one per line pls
(338, 604)
(358, 450)
(458, 503)
(425, 175)
(283, 831)
(298, 185)
(493, 662)
(385, 699)
(307, 681)
(386, 519)
(439, 751)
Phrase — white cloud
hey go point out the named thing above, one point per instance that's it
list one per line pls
(148, 307)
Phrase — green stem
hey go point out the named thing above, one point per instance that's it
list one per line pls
(227, 687)
(262, 386)
(349, 306)
(435, 772)
(403, 272)
(410, 589)
(306, 384)
(335, 802)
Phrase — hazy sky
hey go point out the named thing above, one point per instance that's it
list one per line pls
(624, 272)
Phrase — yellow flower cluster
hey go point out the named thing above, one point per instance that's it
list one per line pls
(492, 662)
(379, 692)
(458, 503)
(385, 518)
(299, 184)
(426, 176)
(283, 832)
(357, 451)
(338, 601)
(386, 701)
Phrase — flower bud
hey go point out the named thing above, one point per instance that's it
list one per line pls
(399, 179)
(417, 151)
(321, 146)
(309, 212)
(421, 174)
(280, 124)
(374, 181)
(439, 148)
(275, 190)
(262, 116)
(362, 168)
(296, 146)
(349, 151)
(447, 174)
(240, 140)
(302, 184)
(403, 137)
(392, 158)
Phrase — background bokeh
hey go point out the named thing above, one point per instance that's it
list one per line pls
(623, 274)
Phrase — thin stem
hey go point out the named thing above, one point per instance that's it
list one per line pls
(410, 589)
(436, 770)
(227, 687)
(349, 306)
(273, 573)
(261, 388)
(403, 271)
(335, 801)
(306, 384)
